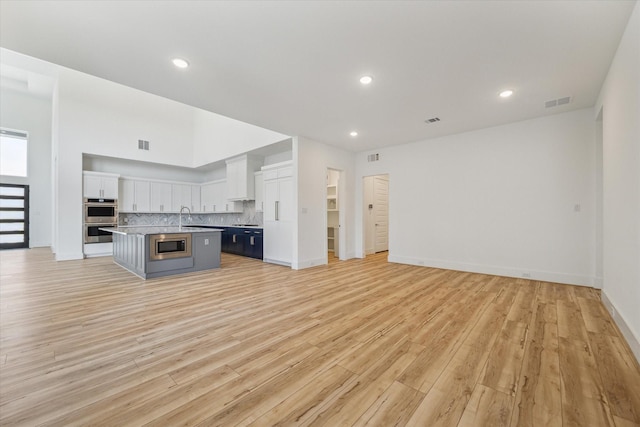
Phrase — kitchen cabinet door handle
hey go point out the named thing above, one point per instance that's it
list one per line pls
(277, 210)
(234, 238)
(252, 240)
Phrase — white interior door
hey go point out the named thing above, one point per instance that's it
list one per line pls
(381, 213)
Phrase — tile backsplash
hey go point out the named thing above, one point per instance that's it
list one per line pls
(249, 216)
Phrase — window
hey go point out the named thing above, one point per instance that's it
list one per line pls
(13, 153)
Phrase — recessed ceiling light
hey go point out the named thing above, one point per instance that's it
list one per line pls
(365, 80)
(506, 93)
(180, 63)
(353, 133)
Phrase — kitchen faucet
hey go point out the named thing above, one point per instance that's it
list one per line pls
(180, 217)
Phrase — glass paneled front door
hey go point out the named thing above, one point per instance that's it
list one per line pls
(14, 216)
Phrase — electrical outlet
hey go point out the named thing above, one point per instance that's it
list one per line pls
(206, 242)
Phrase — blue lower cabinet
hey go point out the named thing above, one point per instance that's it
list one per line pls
(253, 244)
(236, 246)
(227, 236)
(243, 241)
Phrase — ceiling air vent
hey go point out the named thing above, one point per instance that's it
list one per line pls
(143, 145)
(559, 101)
(373, 157)
(432, 120)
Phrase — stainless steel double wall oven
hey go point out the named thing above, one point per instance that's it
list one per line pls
(99, 213)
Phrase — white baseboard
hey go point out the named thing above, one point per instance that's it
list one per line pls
(628, 335)
(68, 256)
(598, 282)
(351, 255)
(545, 276)
(98, 249)
(39, 244)
(309, 263)
(274, 261)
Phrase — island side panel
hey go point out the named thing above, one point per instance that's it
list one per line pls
(206, 250)
(129, 252)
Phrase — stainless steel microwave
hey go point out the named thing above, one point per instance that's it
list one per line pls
(100, 211)
(167, 246)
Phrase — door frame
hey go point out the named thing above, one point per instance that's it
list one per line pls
(376, 210)
(365, 210)
(341, 215)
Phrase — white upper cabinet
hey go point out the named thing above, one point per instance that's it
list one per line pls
(135, 195)
(240, 178)
(195, 199)
(185, 195)
(207, 197)
(214, 198)
(98, 185)
(160, 197)
(259, 191)
(180, 197)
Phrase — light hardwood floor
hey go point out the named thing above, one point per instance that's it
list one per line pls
(359, 342)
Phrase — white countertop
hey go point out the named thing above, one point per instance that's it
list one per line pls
(225, 226)
(159, 230)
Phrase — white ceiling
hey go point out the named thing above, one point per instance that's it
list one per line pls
(293, 67)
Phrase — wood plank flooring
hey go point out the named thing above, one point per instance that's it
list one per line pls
(354, 343)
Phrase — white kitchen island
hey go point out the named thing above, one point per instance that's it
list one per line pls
(162, 251)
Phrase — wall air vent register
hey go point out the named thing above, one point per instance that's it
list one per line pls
(557, 102)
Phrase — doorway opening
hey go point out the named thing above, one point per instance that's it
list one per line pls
(334, 216)
(376, 214)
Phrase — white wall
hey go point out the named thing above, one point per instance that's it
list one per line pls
(105, 118)
(217, 137)
(313, 159)
(132, 168)
(620, 102)
(22, 111)
(499, 200)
